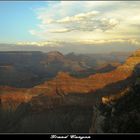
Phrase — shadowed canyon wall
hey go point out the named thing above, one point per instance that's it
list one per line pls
(65, 103)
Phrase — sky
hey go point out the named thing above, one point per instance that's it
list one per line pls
(78, 26)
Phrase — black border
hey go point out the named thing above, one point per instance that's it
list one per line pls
(94, 136)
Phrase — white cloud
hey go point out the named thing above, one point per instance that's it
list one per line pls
(88, 20)
(60, 30)
(133, 41)
(55, 43)
(75, 18)
(41, 44)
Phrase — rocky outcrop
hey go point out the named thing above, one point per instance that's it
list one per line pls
(69, 84)
(30, 68)
(64, 84)
(118, 114)
(64, 104)
(97, 121)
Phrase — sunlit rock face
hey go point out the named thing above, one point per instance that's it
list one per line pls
(131, 62)
(66, 100)
(11, 98)
(28, 69)
(64, 84)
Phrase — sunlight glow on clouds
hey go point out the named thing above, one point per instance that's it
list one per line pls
(77, 26)
(83, 22)
(74, 20)
(56, 43)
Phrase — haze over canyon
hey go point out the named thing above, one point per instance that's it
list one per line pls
(69, 67)
(69, 97)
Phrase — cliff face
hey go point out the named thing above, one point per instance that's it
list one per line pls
(118, 114)
(28, 69)
(68, 84)
(65, 103)
(64, 84)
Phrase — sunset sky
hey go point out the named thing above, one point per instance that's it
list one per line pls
(70, 25)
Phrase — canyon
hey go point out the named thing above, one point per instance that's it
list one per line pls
(66, 103)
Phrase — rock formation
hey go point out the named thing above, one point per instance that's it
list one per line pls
(65, 84)
(69, 104)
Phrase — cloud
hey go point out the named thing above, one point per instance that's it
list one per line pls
(41, 44)
(75, 18)
(133, 41)
(81, 46)
(88, 20)
(60, 30)
(56, 43)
